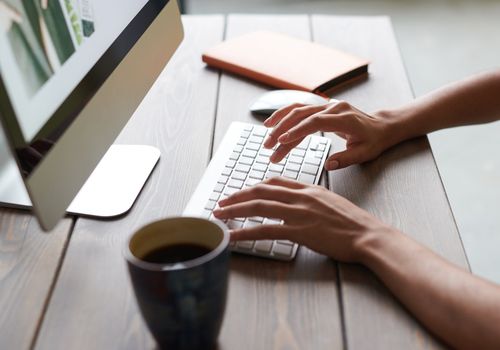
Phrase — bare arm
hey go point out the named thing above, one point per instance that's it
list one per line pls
(471, 101)
(460, 308)
(474, 100)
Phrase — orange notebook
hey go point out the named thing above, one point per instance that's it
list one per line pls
(285, 62)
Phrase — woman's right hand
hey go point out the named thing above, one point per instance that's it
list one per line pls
(367, 135)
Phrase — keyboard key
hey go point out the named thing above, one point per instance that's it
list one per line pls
(250, 224)
(245, 134)
(290, 174)
(245, 245)
(239, 176)
(310, 169)
(242, 168)
(235, 183)
(240, 219)
(322, 141)
(246, 160)
(241, 142)
(283, 161)
(230, 164)
(262, 159)
(210, 205)
(286, 242)
(255, 174)
(282, 249)
(276, 167)
(260, 167)
(304, 144)
(271, 174)
(218, 188)
(206, 214)
(319, 154)
(263, 246)
(226, 171)
(321, 147)
(299, 153)
(266, 152)
(293, 167)
(314, 161)
(223, 179)
(253, 146)
(268, 221)
(252, 182)
(295, 159)
(256, 139)
(248, 127)
(258, 219)
(234, 225)
(238, 149)
(259, 131)
(306, 178)
(214, 196)
(313, 146)
(234, 156)
(230, 190)
(249, 153)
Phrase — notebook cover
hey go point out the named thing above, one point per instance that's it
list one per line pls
(285, 62)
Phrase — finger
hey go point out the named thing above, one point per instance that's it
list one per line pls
(280, 232)
(260, 191)
(289, 120)
(258, 207)
(318, 122)
(285, 182)
(346, 158)
(282, 151)
(279, 114)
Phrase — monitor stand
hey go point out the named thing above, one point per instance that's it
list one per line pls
(111, 189)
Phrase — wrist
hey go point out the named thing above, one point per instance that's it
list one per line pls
(370, 246)
(394, 126)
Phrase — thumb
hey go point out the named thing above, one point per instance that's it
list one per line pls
(346, 158)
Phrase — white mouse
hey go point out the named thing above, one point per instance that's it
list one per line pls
(271, 101)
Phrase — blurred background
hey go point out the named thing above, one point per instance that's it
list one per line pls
(441, 41)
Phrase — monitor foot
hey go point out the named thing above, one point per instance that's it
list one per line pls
(111, 189)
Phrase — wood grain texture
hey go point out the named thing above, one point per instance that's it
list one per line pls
(274, 305)
(93, 306)
(29, 259)
(402, 187)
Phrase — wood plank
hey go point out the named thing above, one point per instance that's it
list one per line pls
(274, 305)
(93, 306)
(29, 260)
(402, 187)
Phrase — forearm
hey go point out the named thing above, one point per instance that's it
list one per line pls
(459, 307)
(474, 100)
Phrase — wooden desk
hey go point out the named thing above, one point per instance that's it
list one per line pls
(70, 290)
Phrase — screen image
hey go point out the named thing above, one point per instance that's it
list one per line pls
(48, 46)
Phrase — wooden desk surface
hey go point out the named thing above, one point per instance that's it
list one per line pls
(70, 290)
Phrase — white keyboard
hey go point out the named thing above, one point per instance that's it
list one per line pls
(242, 161)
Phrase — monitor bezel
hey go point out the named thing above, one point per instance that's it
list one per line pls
(85, 90)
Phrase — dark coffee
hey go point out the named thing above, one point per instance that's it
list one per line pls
(175, 253)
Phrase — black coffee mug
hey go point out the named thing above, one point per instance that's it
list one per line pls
(182, 302)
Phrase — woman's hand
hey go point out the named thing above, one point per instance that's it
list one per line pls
(313, 216)
(367, 135)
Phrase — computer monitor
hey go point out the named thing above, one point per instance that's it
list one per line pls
(72, 72)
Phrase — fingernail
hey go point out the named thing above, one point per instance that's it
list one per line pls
(222, 202)
(333, 164)
(217, 212)
(267, 121)
(284, 137)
